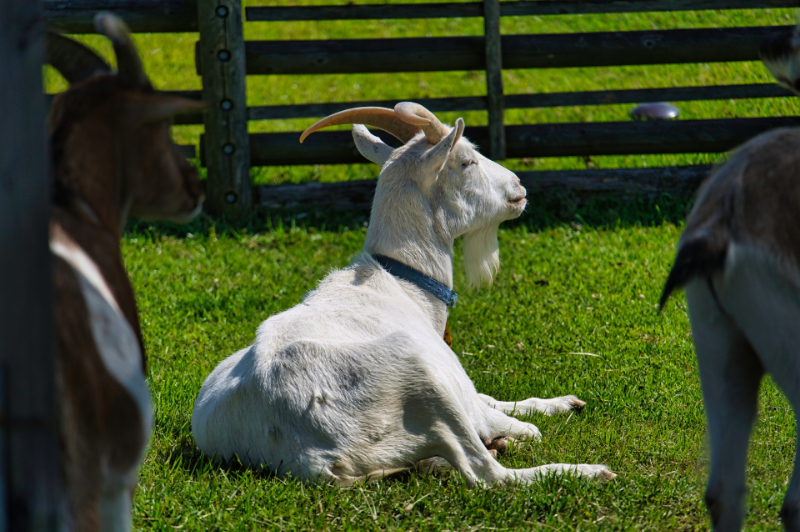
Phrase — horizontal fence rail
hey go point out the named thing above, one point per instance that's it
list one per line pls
(622, 182)
(475, 9)
(538, 140)
(141, 16)
(348, 56)
(512, 101)
(531, 101)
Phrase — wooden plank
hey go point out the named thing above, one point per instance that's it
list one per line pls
(621, 182)
(585, 7)
(187, 150)
(636, 96)
(365, 12)
(227, 148)
(525, 101)
(494, 79)
(30, 487)
(626, 138)
(473, 9)
(346, 56)
(142, 16)
(313, 110)
(539, 140)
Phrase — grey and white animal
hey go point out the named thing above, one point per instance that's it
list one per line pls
(356, 381)
(739, 261)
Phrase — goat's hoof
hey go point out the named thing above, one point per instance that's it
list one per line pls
(575, 403)
(498, 445)
(606, 474)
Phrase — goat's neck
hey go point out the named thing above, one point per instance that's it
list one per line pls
(95, 181)
(421, 247)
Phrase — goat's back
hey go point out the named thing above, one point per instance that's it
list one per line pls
(753, 199)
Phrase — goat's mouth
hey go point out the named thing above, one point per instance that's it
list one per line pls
(518, 202)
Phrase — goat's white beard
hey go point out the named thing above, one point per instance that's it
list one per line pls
(481, 256)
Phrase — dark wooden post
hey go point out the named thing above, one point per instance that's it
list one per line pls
(29, 475)
(226, 145)
(494, 79)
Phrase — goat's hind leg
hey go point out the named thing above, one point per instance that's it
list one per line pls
(767, 308)
(555, 405)
(730, 374)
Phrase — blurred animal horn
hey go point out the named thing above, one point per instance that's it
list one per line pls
(130, 72)
(72, 59)
(414, 113)
(379, 117)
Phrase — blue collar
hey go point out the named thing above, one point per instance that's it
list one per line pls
(407, 273)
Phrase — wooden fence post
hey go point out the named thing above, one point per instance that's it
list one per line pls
(494, 79)
(226, 145)
(30, 493)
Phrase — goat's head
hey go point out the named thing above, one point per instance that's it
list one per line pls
(110, 135)
(436, 184)
(781, 55)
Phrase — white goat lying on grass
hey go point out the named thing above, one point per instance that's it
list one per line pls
(356, 381)
(739, 260)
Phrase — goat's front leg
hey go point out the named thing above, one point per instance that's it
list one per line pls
(455, 438)
(556, 405)
(730, 374)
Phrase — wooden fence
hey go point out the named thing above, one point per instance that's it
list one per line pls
(223, 59)
(31, 496)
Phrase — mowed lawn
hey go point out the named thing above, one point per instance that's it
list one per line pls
(572, 311)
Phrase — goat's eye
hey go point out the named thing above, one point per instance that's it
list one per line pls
(467, 163)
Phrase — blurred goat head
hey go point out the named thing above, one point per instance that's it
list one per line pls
(110, 134)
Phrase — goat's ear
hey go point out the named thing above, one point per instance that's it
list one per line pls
(371, 146)
(435, 159)
(155, 108)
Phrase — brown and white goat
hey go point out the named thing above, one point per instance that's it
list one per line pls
(112, 156)
(739, 261)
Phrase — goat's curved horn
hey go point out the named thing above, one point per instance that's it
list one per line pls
(379, 117)
(414, 113)
(130, 72)
(72, 59)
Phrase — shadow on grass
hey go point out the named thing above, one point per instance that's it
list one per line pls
(190, 459)
(603, 212)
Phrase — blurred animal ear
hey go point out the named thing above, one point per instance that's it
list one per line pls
(130, 72)
(72, 59)
(155, 108)
(435, 159)
(371, 146)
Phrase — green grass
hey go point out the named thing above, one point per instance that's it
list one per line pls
(572, 280)
(561, 289)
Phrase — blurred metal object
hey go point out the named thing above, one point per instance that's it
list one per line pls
(655, 111)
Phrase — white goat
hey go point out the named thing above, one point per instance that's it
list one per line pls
(356, 381)
(738, 260)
